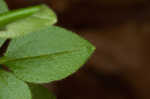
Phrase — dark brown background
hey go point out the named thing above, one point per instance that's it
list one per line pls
(120, 29)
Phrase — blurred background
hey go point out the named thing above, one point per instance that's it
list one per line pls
(120, 29)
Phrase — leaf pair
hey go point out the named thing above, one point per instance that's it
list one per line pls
(38, 52)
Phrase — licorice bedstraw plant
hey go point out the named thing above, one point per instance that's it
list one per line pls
(34, 51)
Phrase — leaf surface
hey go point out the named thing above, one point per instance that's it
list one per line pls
(43, 18)
(3, 9)
(40, 92)
(2, 40)
(11, 16)
(3, 6)
(12, 88)
(48, 55)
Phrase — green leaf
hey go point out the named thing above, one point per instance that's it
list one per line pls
(43, 18)
(12, 16)
(12, 88)
(2, 40)
(48, 55)
(3, 6)
(40, 92)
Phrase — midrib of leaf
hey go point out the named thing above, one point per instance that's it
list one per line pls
(5, 59)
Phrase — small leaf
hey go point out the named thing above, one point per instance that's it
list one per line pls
(48, 55)
(2, 40)
(41, 19)
(40, 92)
(12, 16)
(3, 6)
(12, 88)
